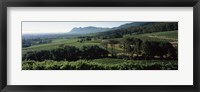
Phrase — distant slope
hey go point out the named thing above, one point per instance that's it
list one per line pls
(86, 30)
(128, 28)
(157, 36)
(138, 28)
(133, 24)
(48, 36)
(171, 36)
(91, 29)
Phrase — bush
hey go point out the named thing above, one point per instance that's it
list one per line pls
(158, 48)
(69, 53)
(93, 52)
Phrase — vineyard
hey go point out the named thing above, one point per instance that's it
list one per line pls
(102, 64)
(131, 46)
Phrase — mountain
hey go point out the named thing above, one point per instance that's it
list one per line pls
(128, 28)
(86, 30)
(91, 29)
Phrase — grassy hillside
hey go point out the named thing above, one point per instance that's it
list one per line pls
(158, 36)
(56, 43)
(170, 36)
(129, 46)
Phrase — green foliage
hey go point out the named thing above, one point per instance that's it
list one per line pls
(167, 34)
(132, 45)
(112, 44)
(70, 53)
(93, 52)
(147, 28)
(56, 44)
(101, 64)
(66, 53)
(158, 48)
(170, 36)
(105, 43)
(84, 38)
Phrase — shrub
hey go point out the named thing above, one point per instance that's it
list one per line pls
(158, 48)
(93, 52)
(70, 53)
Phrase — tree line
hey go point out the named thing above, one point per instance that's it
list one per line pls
(69, 53)
(133, 48)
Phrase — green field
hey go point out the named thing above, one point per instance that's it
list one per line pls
(56, 43)
(170, 36)
(102, 64)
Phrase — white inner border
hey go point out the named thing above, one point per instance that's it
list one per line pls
(182, 76)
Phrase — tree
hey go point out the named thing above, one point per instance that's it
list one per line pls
(137, 47)
(112, 44)
(151, 49)
(29, 56)
(132, 46)
(169, 50)
(105, 43)
(127, 42)
(43, 55)
(158, 48)
(58, 54)
(70, 53)
(93, 52)
(38, 55)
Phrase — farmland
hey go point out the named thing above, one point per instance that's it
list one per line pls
(102, 64)
(154, 47)
(158, 36)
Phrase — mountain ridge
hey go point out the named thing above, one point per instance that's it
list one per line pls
(86, 30)
(93, 29)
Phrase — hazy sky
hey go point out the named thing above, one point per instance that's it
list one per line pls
(62, 27)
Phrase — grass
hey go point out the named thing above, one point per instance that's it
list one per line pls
(171, 36)
(168, 34)
(56, 43)
(105, 63)
(158, 36)
(102, 64)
